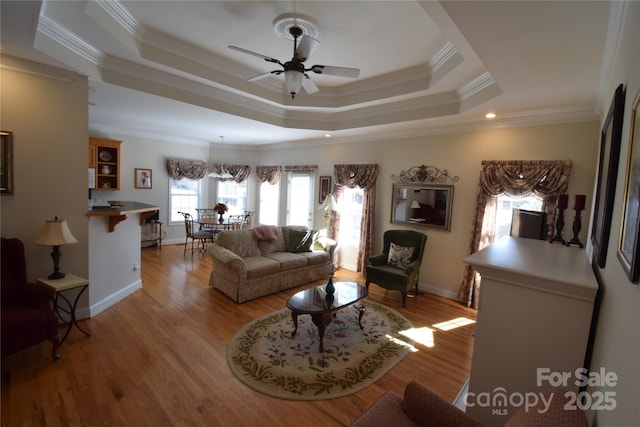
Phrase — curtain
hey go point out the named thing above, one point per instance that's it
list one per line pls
(239, 172)
(190, 169)
(363, 176)
(543, 178)
(270, 174)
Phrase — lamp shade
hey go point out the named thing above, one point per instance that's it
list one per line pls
(325, 203)
(293, 81)
(223, 173)
(415, 205)
(55, 233)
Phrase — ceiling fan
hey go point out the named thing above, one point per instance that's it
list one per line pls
(295, 74)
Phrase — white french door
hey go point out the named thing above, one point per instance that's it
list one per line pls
(300, 199)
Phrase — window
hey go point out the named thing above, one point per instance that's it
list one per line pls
(300, 198)
(504, 211)
(269, 203)
(234, 195)
(350, 206)
(184, 196)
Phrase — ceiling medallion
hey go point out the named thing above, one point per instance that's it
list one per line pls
(283, 23)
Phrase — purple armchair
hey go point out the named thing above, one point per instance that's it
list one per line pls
(27, 313)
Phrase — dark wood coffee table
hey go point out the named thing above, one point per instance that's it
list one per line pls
(323, 307)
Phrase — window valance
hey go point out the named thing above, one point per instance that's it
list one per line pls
(301, 168)
(363, 176)
(190, 169)
(544, 178)
(270, 174)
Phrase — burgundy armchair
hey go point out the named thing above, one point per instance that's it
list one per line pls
(27, 313)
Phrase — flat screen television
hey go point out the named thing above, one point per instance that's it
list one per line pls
(529, 224)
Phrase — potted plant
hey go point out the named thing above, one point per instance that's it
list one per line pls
(221, 208)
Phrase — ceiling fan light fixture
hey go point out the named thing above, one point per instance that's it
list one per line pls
(224, 173)
(293, 81)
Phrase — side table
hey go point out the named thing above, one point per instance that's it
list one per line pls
(68, 282)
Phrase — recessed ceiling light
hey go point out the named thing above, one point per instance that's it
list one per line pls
(327, 135)
(490, 115)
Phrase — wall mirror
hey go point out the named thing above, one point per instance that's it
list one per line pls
(424, 205)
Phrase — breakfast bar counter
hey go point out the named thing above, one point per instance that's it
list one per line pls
(118, 211)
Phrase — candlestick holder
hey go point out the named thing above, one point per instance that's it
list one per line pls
(577, 226)
(559, 227)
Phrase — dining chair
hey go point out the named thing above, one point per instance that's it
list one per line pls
(202, 236)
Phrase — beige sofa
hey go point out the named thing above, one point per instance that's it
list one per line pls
(251, 263)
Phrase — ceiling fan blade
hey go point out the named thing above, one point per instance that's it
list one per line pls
(308, 85)
(259, 55)
(263, 75)
(306, 47)
(335, 71)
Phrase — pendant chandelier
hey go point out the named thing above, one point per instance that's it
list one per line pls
(224, 174)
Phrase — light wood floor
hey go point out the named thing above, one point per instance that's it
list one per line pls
(159, 358)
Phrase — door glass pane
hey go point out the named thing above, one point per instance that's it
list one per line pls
(299, 199)
(269, 202)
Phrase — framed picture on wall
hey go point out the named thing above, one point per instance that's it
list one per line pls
(143, 178)
(607, 171)
(629, 245)
(6, 162)
(325, 188)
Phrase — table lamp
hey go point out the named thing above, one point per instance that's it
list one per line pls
(415, 206)
(55, 233)
(327, 206)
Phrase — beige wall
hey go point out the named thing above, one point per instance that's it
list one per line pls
(617, 344)
(460, 154)
(48, 118)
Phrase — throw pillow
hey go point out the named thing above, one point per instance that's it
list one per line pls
(399, 256)
(265, 232)
(300, 241)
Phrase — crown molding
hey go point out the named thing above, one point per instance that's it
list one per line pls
(31, 67)
(121, 15)
(51, 29)
(422, 128)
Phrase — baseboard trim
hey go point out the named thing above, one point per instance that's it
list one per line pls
(439, 291)
(109, 301)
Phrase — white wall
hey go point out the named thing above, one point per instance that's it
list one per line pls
(460, 154)
(137, 152)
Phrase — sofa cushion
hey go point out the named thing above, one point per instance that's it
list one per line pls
(259, 266)
(316, 257)
(386, 411)
(240, 242)
(270, 246)
(288, 260)
(427, 408)
(299, 240)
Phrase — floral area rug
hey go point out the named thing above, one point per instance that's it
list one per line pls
(265, 357)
